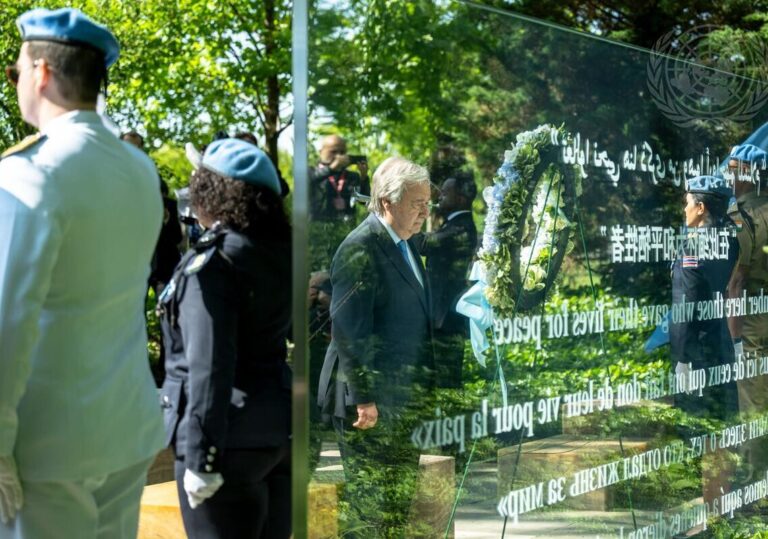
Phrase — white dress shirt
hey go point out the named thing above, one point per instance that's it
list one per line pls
(397, 239)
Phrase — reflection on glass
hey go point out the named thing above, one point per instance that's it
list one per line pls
(559, 349)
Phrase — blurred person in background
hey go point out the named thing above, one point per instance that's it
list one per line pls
(750, 333)
(332, 187)
(332, 184)
(133, 138)
(449, 251)
(167, 253)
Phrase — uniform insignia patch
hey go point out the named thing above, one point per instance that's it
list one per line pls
(28, 142)
(197, 262)
(167, 292)
(690, 261)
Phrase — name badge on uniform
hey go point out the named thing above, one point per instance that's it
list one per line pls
(167, 292)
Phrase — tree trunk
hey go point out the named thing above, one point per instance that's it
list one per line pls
(272, 111)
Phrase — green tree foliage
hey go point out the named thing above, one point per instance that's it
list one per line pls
(640, 22)
(187, 69)
(398, 76)
(390, 70)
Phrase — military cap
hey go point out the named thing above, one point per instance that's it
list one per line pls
(709, 185)
(68, 25)
(241, 160)
(748, 153)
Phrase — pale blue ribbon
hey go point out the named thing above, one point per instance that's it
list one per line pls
(474, 305)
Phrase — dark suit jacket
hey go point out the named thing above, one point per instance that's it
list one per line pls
(225, 327)
(449, 252)
(381, 347)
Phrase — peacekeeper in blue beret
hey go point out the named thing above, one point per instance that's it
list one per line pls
(750, 331)
(225, 316)
(702, 343)
(80, 212)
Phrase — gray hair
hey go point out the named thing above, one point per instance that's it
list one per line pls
(391, 179)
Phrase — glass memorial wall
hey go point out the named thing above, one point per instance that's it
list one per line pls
(592, 383)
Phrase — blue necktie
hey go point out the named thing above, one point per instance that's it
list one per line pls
(404, 251)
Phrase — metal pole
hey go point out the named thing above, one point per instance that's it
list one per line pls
(300, 422)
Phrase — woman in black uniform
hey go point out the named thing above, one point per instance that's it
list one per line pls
(225, 317)
(700, 343)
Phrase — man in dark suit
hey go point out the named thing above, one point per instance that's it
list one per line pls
(379, 369)
(449, 252)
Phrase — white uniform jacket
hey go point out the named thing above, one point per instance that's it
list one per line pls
(80, 213)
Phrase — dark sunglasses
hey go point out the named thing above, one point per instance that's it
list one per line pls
(12, 72)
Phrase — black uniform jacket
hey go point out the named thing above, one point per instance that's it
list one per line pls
(381, 346)
(226, 315)
(702, 341)
(449, 252)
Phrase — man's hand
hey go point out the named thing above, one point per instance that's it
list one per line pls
(200, 486)
(685, 370)
(11, 498)
(367, 415)
(340, 162)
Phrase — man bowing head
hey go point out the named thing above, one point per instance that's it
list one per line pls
(379, 369)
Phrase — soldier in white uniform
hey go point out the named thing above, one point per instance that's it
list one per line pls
(80, 213)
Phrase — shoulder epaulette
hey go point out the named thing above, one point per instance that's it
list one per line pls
(25, 144)
(198, 261)
(205, 247)
(210, 237)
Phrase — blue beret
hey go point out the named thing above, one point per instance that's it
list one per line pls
(241, 160)
(68, 25)
(708, 185)
(748, 153)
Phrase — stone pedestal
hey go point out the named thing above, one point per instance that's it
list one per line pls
(432, 503)
(435, 494)
(323, 511)
(160, 516)
(561, 456)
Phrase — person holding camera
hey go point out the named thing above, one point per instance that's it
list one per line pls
(333, 184)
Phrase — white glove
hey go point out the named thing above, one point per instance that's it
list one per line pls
(738, 348)
(200, 486)
(11, 498)
(685, 369)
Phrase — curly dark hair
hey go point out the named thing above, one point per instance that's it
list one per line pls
(254, 210)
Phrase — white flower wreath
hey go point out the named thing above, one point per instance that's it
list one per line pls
(530, 221)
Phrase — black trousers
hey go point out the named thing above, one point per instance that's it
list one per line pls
(381, 471)
(253, 503)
